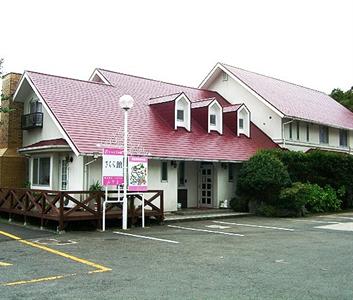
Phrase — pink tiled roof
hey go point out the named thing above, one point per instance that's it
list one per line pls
(231, 108)
(202, 102)
(90, 115)
(296, 101)
(45, 143)
(163, 99)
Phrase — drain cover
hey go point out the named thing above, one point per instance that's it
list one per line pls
(55, 242)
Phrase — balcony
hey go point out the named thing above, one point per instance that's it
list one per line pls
(33, 120)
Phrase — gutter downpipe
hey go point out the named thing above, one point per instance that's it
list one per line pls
(284, 138)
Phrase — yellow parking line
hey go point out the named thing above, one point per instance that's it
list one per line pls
(99, 268)
(4, 264)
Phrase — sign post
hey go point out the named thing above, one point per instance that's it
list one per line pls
(138, 179)
(112, 174)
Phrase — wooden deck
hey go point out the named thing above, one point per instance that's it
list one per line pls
(69, 206)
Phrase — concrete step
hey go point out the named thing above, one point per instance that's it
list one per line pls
(169, 218)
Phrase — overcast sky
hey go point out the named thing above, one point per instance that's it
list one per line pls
(306, 42)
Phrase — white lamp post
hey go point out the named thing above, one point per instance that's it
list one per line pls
(126, 102)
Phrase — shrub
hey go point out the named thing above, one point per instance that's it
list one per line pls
(262, 178)
(95, 187)
(322, 199)
(240, 204)
(312, 196)
(294, 197)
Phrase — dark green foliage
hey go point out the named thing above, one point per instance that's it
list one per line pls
(240, 204)
(262, 177)
(345, 98)
(312, 196)
(95, 187)
(322, 168)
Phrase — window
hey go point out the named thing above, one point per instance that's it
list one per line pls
(323, 135)
(290, 131)
(35, 106)
(298, 132)
(180, 115)
(230, 172)
(225, 76)
(213, 119)
(307, 132)
(241, 123)
(343, 138)
(64, 177)
(181, 172)
(41, 171)
(164, 171)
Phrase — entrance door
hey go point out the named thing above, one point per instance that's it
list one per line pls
(206, 185)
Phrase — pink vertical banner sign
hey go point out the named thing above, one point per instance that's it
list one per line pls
(138, 173)
(112, 168)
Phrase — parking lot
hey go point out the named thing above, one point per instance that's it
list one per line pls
(231, 258)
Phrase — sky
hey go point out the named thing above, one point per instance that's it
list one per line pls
(306, 42)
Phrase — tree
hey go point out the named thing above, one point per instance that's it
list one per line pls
(345, 98)
(262, 177)
(2, 108)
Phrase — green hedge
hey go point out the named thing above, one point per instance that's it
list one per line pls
(321, 168)
(311, 196)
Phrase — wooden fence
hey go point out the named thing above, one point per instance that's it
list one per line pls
(68, 206)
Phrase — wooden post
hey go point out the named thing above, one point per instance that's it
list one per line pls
(61, 212)
(161, 197)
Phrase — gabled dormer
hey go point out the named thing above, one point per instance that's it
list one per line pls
(237, 118)
(209, 114)
(175, 109)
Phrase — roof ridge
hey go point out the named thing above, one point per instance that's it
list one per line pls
(166, 95)
(161, 81)
(69, 78)
(278, 79)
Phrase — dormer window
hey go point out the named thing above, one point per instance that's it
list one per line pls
(241, 123)
(213, 120)
(182, 112)
(215, 114)
(180, 115)
(243, 115)
(225, 76)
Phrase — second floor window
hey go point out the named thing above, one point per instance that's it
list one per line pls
(213, 119)
(343, 138)
(180, 115)
(324, 135)
(35, 107)
(241, 123)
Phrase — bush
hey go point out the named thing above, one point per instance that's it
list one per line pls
(240, 204)
(294, 197)
(262, 178)
(322, 199)
(320, 167)
(312, 196)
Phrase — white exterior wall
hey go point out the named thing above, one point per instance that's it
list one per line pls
(261, 115)
(223, 188)
(48, 132)
(170, 187)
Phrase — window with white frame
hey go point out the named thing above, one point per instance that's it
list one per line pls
(64, 174)
(35, 106)
(225, 76)
(182, 112)
(41, 171)
(298, 130)
(243, 121)
(215, 121)
(343, 138)
(307, 132)
(323, 134)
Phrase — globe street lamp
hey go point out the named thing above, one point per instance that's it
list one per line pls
(126, 102)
